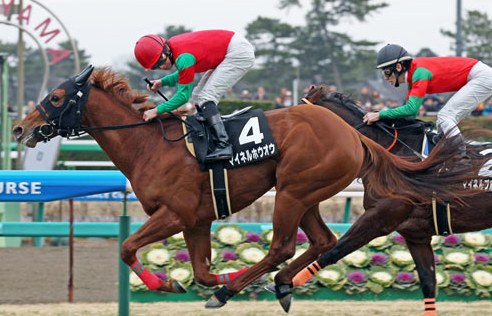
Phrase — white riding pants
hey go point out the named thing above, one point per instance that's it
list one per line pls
(477, 89)
(239, 58)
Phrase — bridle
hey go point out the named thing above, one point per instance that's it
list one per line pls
(66, 119)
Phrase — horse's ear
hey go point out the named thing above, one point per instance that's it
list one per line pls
(314, 94)
(82, 77)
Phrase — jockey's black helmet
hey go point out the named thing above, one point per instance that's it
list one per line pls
(391, 54)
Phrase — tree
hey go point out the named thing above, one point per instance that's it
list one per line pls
(426, 52)
(34, 69)
(274, 44)
(477, 36)
(330, 54)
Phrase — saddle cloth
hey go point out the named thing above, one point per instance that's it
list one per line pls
(249, 135)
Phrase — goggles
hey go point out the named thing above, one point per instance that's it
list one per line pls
(159, 62)
(388, 71)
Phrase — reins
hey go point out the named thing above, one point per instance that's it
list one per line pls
(82, 130)
(115, 127)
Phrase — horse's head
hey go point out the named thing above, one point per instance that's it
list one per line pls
(58, 113)
(315, 93)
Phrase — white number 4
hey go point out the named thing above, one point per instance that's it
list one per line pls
(251, 132)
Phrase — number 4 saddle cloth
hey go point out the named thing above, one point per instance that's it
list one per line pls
(249, 135)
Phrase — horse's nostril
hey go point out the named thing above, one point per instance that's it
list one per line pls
(18, 132)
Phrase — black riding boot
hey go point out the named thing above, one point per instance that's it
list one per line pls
(223, 149)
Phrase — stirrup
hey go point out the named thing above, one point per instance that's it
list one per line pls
(219, 155)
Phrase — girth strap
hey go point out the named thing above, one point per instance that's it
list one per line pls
(220, 190)
(442, 218)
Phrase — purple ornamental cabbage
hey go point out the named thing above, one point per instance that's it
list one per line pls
(301, 237)
(161, 275)
(252, 237)
(405, 277)
(379, 258)
(458, 278)
(481, 258)
(399, 239)
(229, 256)
(356, 277)
(436, 258)
(182, 256)
(452, 239)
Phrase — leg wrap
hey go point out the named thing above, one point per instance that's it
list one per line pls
(282, 290)
(327, 258)
(306, 274)
(152, 282)
(228, 277)
(430, 307)
(223, 294)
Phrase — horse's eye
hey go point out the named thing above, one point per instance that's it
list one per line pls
(55, 98)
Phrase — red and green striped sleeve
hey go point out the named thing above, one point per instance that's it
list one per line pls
(183, 78)
(416, 94)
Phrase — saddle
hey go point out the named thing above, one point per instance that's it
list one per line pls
(251, 140)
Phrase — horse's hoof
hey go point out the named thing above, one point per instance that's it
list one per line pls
(285, 302)
(178, 288)
(270, 287)
(213, 302)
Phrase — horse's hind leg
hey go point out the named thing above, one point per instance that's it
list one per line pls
(373, 223)
(162, 224)
(198, 243)
(423, 256)
(321, 239)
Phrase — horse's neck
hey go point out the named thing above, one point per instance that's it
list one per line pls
(125, 147)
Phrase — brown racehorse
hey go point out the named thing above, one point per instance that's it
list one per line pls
(319, 155)
(385, 215)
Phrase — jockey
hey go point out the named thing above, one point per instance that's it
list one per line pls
(224, 57)
(471, 79)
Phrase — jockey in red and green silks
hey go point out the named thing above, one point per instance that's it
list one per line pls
(468, 77)
(224, 57)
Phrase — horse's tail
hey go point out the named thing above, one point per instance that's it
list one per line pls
(440, 175)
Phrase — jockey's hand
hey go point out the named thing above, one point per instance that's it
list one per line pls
(371, 117)
(150, 114)
(156, 85)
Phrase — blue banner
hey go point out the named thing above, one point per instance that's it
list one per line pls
(44, 186)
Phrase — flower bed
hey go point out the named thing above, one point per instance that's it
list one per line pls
(383, 267)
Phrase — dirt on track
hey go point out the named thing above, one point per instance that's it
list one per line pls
(31, 275)
(34, 281)
(299, 308)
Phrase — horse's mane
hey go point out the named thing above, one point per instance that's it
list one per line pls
(117, 85)
(345, 101)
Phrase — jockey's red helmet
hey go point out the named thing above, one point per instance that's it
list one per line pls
(148, 50)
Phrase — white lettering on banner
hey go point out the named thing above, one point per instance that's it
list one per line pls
(20, 188)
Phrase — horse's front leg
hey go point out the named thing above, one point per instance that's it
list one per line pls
(285, 226)
(423, 256)
(162, 224)
(199, 247)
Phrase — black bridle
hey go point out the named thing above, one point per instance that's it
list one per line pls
(66, 119)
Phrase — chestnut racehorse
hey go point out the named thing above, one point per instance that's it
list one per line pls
(385, 215)
(319, 155)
